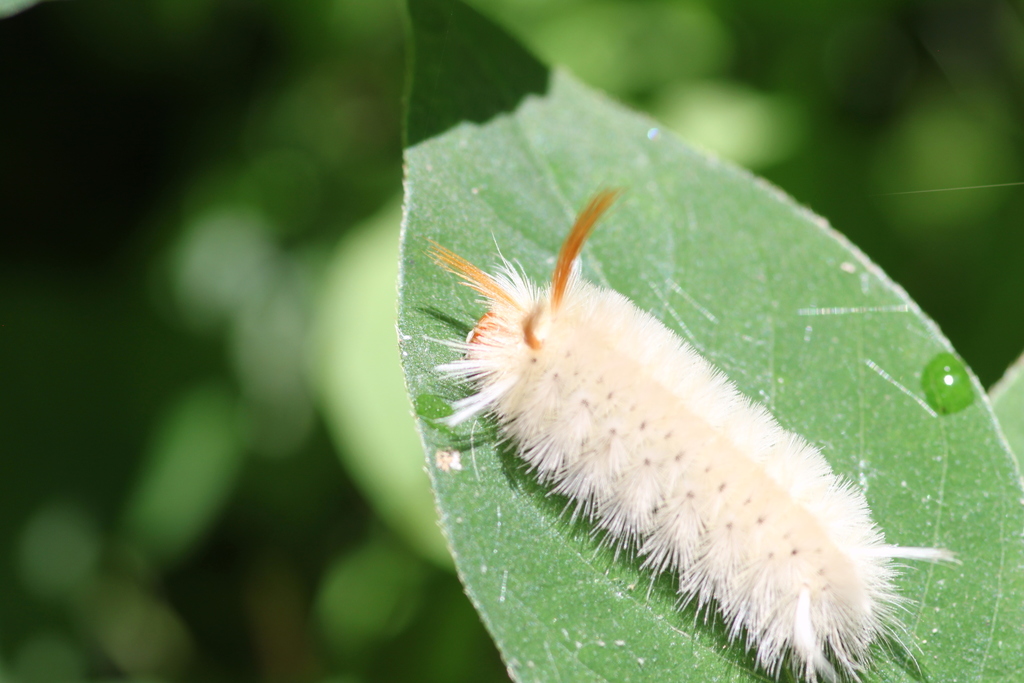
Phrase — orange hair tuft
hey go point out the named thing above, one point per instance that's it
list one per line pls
(473, 277)
(574, 242)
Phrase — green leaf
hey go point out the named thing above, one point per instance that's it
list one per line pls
(9, 8)
(475, 72)
(796, 316)
(1008, 401)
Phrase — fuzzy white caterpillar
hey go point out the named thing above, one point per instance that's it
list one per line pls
(663, 451)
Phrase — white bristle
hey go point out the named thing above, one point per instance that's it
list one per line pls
(664, 453)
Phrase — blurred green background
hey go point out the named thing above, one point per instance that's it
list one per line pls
(208, 466)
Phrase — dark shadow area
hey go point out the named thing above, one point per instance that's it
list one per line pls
(902, 656)
(81, 149)
(463, 68)
(461, 328)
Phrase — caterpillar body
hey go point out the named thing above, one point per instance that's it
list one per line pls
(663, 452)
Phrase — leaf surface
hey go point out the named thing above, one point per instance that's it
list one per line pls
(11, 7)
(796, 316)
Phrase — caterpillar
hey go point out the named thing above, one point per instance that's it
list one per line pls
(660, 450)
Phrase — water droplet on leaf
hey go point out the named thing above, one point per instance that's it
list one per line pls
(946, 384)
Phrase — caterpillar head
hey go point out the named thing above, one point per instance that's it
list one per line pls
(515, 310)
